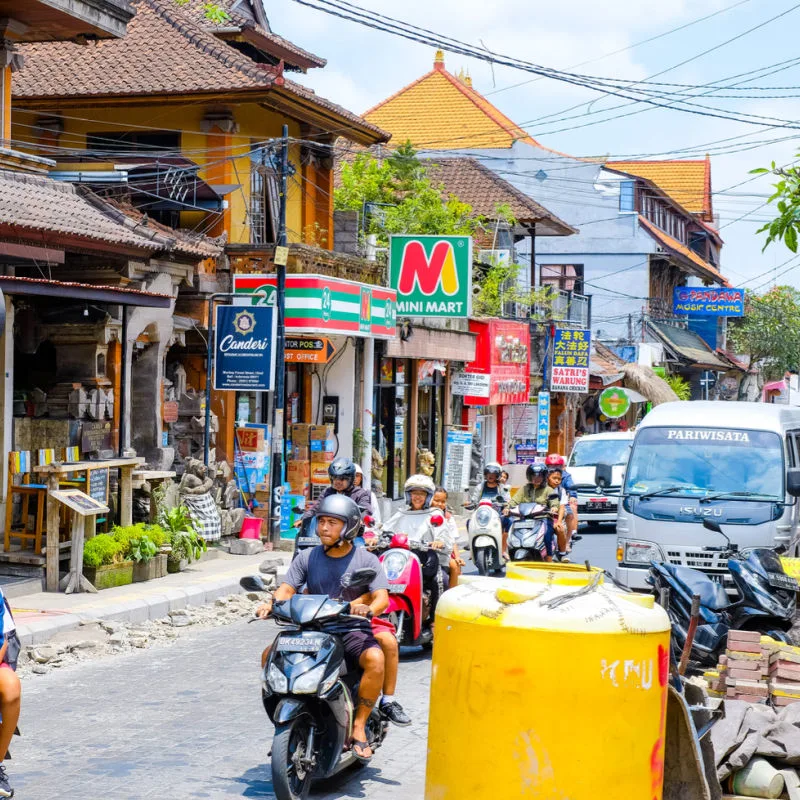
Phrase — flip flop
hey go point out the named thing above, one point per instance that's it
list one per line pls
(363, 745)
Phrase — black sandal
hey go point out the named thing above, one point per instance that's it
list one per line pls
(363, 745)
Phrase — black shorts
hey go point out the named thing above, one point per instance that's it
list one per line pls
(356, 642)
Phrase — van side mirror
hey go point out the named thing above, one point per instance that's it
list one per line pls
(793, 482)
(603, 475)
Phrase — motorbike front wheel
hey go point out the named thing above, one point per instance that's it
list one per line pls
(481, 561)
(290, 779)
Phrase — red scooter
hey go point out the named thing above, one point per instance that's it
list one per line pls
(409, 599)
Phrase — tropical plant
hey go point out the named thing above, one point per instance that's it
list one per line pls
(142, 549)
(179, 527)
(786, 196)
(680, 386)
(102, 550)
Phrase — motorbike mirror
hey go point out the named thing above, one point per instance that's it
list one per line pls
(437, 520)
(709, 524)
(793, 482)
(603, 475)
(358, 577)
(253, 583)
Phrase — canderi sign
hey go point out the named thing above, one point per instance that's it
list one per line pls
(708, 302)
(432, 275)
(244, 355)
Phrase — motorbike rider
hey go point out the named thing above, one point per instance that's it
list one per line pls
(342, 473)
(537, 490)
(419, 491)
(554, 460)
(494, 490)
(320, 569)
(555, 481)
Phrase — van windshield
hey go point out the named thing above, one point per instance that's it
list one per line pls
(589, 452)
(695, 462)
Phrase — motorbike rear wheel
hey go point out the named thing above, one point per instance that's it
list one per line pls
(289, 780)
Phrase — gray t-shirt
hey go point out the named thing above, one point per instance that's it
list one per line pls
(323, 574)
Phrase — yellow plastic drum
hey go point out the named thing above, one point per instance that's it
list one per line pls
(550, 686)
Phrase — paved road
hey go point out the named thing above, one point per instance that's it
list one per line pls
(183, 722)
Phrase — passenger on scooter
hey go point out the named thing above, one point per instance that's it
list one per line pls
(456, 562)
(568, 485)
(554, 481)
(321, 569)
(358, 482)
(342, 473)
(537, 490)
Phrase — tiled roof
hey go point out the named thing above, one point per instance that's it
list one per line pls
(707, 271)
(484, 190)
(687, 182)
(440, 111)
(249, 16)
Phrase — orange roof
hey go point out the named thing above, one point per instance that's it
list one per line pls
(440, 111)
(688, 183)
(707, 271)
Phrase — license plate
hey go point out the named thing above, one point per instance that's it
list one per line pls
(307, 540)
(523, 525)
(298, 644)
(596, 503)
(780, 581)
(397, 588)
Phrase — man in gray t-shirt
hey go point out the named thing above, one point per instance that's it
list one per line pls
(321, 569)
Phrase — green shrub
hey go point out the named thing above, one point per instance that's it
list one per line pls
(102, 550)
(131, 536)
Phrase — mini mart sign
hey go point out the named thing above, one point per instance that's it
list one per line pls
(318, 304)
(432, 275)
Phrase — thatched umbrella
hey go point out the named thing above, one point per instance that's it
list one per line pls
(646, 382)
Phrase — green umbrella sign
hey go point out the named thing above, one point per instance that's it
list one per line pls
(614, 402)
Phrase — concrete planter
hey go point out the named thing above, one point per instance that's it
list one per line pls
(110, 575)
(156, 567)
(177, 566)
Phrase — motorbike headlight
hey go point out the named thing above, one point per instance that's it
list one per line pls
(483, 516)
(642, 553)
(308, 683)
(394, 564)
(277, 680)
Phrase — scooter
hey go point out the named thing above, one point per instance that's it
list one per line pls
(308, 693)
(485, 529)
(767, 599)
(526, 540)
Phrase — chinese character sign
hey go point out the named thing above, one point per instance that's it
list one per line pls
(571, 353)
(543, 423)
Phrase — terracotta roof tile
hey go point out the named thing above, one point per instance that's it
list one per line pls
(440, 111)
(706, 270)
(484, 190)
(687, 182)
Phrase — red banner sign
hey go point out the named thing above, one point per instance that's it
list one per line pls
(503, 353)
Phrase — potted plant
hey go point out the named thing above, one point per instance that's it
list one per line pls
(142, 544)
(104, 564)
(186, 546)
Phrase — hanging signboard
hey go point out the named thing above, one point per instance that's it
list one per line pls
(614, 402)
(244, 353)
(432, 275)
(502, 355)
(543, 428)
(472, 384)
(708, 302)
(571, 354)
(458, 459)
(301, 350)
(318, 304)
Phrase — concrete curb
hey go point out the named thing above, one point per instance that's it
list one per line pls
(140, 610)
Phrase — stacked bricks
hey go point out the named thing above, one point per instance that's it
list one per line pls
(784, 675)
(717, 678)
(747, 667)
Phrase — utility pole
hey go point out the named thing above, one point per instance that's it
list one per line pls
(279, 399)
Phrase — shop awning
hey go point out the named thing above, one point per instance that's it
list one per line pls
(687, 346)
(114, 295)
(444, 345)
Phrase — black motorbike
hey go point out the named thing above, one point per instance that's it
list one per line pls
(307, 691)
(766, 602)
(526, 540)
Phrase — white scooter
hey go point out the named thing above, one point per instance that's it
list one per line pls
(486, 538)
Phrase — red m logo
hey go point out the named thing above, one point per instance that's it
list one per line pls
(428, 274)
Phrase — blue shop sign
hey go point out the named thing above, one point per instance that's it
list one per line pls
(708, 302)
(244, 350)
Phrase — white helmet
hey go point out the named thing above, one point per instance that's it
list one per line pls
(359, 471)
(420, 483)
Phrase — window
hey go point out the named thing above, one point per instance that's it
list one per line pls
(135, 142)
(264, 197)
(566, 277)
(627, 196)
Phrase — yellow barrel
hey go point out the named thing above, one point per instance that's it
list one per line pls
(549, 685)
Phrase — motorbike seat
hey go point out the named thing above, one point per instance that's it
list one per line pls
(712, 595)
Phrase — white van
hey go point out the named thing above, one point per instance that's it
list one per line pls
(588, 452)
(725, 461)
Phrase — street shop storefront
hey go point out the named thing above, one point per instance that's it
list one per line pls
(497, 381)
(331, 329)
(413, 400)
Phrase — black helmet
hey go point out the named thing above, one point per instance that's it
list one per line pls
(341, 507)
(343, 468)
(534, 470)
(492, 469)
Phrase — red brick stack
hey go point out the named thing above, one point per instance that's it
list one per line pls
(746, 676)
(784, 675)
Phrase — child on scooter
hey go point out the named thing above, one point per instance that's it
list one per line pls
(456, 562)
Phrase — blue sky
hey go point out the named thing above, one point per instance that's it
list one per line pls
(365, 66)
